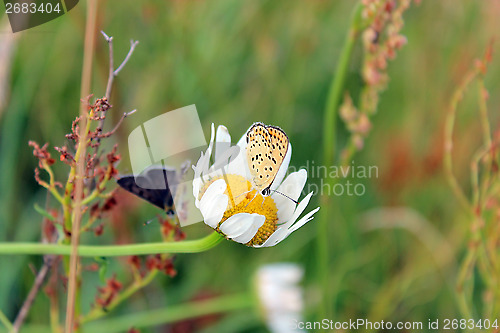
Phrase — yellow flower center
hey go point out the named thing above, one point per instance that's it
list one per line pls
(244, 199)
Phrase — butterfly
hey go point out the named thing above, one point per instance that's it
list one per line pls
(152, 185)
(266, 149)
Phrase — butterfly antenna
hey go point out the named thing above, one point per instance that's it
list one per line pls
(286, 196)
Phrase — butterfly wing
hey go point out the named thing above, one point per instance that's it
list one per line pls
(266, 149)
(152, 186)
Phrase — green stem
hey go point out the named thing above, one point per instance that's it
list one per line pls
(52, 184)
(190, 246)
(448, 141)
(461, 294)
(483, 111)
(171, 314)
(329, 146)
(99, 312)
(44, 213)
(5, 321)
(337, 88)
(97, 191)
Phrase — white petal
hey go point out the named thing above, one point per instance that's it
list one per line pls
(213, 204)
(276, 237)
(222, 134)
(213, 173)
(212, 137)
(208, 153)
(198, 167)
(217, 187)
(197, 182)
(300, 208)
(239, 166)
(202, 165)
(308, 217)
(205, 164)
(283, 168)
(222, 141)
(213, 213)
(291, 187)
(229, 161)
(283, 231)
(242, 227)
(293, 184)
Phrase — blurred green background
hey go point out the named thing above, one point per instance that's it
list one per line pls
(268, 61)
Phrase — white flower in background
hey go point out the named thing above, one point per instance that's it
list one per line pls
(280, 295)
(223, 192)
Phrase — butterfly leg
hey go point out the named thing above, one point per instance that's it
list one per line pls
(255, 196)
(244, 193)
(262, 202)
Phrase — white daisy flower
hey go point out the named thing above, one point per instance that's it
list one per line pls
(280, 296)
(229, 204)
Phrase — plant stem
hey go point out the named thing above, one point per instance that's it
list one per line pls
(329, 146)
(5, 321)
(190, 246)
(337, 88)
(39, 280)
(448, 141)
(98, 312)
(72, 305)
(172, 314)
(98, 190)
(52, 186)
(483, 111)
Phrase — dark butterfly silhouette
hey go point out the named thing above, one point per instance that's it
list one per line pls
(152, 185)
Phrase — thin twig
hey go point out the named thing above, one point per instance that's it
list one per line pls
(40, 278)
(111, 76)
(477, 256)
(448, 141)
(483, 111)
(112, 71)
(133, 44)
(53, 299)
(111, 65)
(124, 115)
